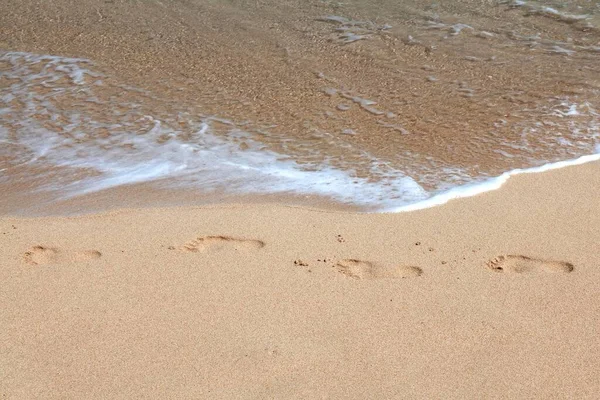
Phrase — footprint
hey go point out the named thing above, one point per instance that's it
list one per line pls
(41, 255)
(523, 264)
(358, 269)
(217, 243)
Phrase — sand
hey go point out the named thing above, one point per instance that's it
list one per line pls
(494, 296)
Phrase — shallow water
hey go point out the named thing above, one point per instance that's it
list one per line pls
(376, 105)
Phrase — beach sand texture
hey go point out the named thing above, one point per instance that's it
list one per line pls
(494, 296)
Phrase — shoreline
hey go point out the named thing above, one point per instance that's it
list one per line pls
(316, 202)
(407, 104)
(492, 291)
(495, 183)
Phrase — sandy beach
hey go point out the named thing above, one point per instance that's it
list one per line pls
(181, 181)
(282, 302)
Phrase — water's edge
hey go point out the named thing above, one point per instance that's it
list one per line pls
(491, 184)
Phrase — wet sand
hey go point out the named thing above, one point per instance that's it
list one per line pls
(493, 296)
(474, 89)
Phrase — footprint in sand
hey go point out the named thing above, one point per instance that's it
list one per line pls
(41, 255)
(358, 269)
(218, 243)
(523, 264)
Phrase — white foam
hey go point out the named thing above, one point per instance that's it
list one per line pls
(166, 143)
(535, 9)
(142, 147)
(350, 31)
(491, 184)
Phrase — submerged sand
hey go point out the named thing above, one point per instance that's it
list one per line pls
(442, 93)
(494, 296)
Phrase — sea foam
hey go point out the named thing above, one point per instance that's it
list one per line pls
(491, 184)
(61, 112)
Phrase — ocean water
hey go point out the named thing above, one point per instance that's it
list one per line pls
(71, 127)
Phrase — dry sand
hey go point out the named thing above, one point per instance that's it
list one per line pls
(281, 302)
